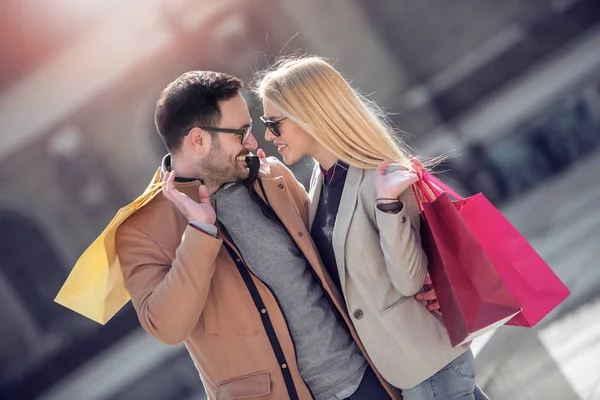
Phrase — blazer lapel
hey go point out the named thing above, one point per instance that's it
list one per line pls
(344, 217)
(314, 193)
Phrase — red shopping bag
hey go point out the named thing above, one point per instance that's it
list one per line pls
(528, 277)
(472, 297)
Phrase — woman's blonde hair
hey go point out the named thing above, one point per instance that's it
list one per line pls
(313, 94)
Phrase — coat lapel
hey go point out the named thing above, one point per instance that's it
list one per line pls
(344, 217)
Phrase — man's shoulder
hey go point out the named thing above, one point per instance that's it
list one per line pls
(154, 218)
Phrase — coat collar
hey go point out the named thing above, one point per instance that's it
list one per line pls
(258, 168)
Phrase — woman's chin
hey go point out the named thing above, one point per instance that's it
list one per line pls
(289, 159)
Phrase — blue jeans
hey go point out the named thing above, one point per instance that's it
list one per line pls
(453, 382)
(370, 388)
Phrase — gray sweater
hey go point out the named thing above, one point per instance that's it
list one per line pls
(328, 359)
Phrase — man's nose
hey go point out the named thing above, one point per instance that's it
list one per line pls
(250, 142)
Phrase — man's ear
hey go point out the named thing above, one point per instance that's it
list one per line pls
(198, 140)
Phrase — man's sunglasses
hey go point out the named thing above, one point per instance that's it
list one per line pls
(273, 125)
(244, 132)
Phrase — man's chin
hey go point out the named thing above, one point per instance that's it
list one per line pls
(242, 173)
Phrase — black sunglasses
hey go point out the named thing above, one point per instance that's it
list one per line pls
(273, 125)
(244, 132)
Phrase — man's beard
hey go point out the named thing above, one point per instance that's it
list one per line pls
(218, 168)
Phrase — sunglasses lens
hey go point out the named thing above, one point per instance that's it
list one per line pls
(274, 127)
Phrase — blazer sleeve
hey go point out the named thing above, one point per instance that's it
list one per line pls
(400, 242)
(168, 296)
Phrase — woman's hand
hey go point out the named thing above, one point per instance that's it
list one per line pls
(390, 186)
(429, 295)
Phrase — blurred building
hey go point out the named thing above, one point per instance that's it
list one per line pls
(512, 88)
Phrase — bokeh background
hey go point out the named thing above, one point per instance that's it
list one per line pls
(511, 88)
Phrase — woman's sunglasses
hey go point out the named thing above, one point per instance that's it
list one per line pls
(273, 125)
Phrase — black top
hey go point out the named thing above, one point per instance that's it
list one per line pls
(324, 222)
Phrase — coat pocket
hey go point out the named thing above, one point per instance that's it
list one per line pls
(245, 387)
(393, 304)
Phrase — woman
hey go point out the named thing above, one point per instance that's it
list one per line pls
(365, 223)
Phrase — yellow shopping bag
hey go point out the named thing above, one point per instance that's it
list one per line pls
(95, 286)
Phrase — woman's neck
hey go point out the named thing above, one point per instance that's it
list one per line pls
(324, 157)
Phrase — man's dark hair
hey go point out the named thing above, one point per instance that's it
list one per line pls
(192, 100)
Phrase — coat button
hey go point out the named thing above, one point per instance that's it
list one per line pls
(284, 366)
(281, 186)
(358, 314)
(264, 311)
(403, 219)
(300, 234)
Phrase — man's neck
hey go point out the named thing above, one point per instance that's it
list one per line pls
(182, 169)
(185, 170)
(213, 187)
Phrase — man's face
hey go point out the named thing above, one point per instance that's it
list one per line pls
(225, 162)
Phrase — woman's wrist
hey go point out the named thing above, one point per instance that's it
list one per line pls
(387, 199)
(389, 205)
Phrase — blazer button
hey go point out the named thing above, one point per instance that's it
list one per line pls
(281, 186)
(403, 219)
(358, 314)
(300, 234)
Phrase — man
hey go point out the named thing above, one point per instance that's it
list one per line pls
(224, 261)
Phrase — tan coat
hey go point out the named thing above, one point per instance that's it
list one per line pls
(382, 266)
(186, 287)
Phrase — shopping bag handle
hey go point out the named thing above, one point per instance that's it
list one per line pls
(438, 187)
(431, 188)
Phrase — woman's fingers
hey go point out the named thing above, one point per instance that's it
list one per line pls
(381, 168)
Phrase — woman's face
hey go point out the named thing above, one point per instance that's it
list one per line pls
(293, 142)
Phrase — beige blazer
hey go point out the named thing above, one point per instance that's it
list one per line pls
(382, 266)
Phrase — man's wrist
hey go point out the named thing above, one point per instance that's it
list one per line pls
(200, 218)
(205, 227)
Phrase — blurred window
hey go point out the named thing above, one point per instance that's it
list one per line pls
(555, 140)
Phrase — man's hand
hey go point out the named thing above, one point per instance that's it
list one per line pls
(261, 153)
(429, 295)
(193, 211)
